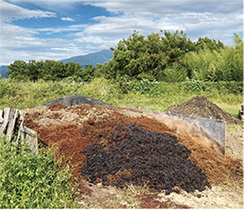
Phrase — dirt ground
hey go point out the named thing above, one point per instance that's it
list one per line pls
(234, 146)
(201, 107)
(229, 195)
(74, 128)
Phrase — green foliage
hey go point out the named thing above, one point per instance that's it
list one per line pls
(211, 44)
(28, 94)
(49, 70)
(207, 65)
(171, 57)
(211, 87)
(125, 92)
(88, 73)
(140, 58)
(175, 58)
(176, 45)
(28, 181)
(143, 87)
(173, 73)
(201, 65)
(17, 70)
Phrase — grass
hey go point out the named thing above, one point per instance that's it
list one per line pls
(28, 181)
(232, 109)
(234, 129)
(28, 94)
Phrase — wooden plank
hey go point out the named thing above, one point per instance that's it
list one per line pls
(29, 131)
(1, 116)
(21, 129)
(5, 122)
(22, 115)
(12, 122)
(9, 119)
(32, 139)
(33, 144)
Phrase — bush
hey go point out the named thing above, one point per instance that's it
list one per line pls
(143, 87)
(28, 181)
(231, 87)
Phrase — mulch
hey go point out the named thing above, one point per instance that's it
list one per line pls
(118, 149)
(201, 107)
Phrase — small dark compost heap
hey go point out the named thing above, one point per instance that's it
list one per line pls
(141, 157)
(201, 107)
(73, 100)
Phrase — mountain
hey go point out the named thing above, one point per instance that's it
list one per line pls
(92, 58)
(3, 70)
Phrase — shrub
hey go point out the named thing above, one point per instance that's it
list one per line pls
(28, 181)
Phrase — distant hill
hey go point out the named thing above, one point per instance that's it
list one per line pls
(92, 58)
(3, 70)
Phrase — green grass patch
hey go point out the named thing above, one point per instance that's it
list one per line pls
(144, 94)
(28, 181)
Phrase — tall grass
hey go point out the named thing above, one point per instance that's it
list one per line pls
(146, 95)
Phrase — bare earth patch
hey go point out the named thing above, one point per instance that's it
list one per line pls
(234, 146)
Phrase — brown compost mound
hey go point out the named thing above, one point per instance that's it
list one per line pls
(74, 128)
(201, 107)
(139, 156)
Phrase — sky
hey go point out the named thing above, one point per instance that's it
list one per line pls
(59, 29)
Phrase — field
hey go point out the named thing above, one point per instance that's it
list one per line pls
(152, 96)
(226, 193)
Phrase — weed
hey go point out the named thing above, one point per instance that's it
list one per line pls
(140, 94)
(28, 181)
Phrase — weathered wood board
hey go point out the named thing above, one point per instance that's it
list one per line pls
(4, 125)
(11, 124)
(1, 116)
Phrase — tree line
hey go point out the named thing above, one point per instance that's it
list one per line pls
(171, 57)
(49, 70)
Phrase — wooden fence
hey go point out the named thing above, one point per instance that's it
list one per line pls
(11, 126)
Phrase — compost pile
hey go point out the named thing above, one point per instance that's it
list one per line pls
(138, 156)
(118, 146)
(201, 107)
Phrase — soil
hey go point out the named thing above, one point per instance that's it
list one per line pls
(152, 202)
(76, 128)
(141, 157)
(234, 146)
(201, 107)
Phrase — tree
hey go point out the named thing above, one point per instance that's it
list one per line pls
(17, 70)
(32, 70)
(88, 73)
(72, 69)
(210, 44)
(238, 42)
(176, 45)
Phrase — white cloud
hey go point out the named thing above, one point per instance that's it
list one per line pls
(18, 43)
(10, 12)
(70, 28)
(67, 19)
(167, 6)
(215, 19)
(192, 23)
(144, 7)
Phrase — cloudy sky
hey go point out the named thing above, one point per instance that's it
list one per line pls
(58, 29)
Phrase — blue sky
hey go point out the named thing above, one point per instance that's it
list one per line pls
(58, 29)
